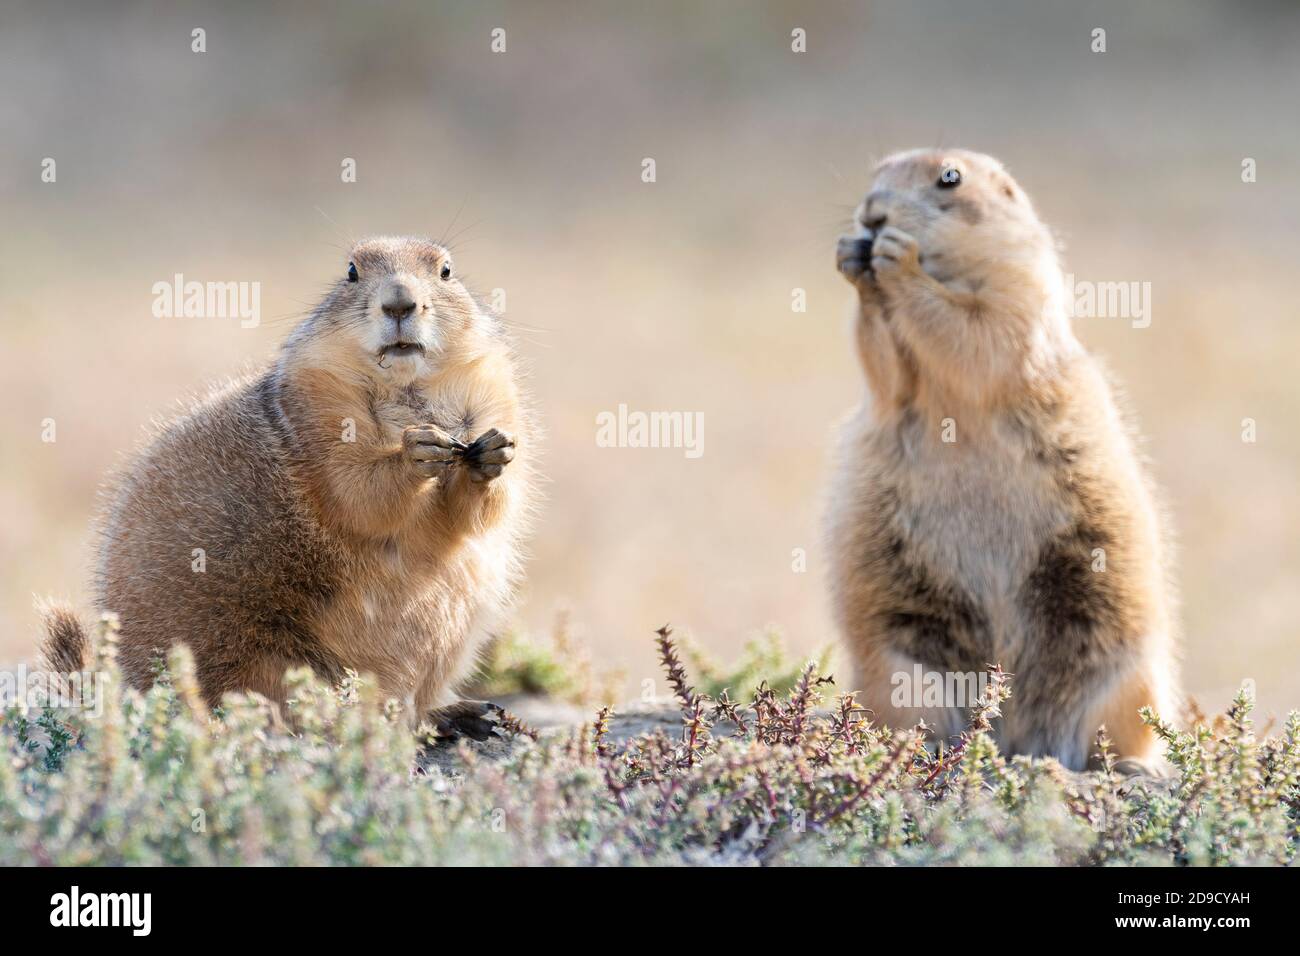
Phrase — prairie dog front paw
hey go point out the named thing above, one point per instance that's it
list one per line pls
(429, 449)
(487, 456)
(853, 255)
(894, 255)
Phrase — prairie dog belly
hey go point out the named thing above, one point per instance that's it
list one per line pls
(405, 619)
(976, 513)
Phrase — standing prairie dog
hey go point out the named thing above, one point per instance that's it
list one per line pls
(987, 505)
(358, 504)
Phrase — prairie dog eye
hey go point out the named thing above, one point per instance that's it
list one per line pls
(352, 272)
(949, 178)
(445, 274)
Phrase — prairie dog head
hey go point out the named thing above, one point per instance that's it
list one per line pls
(968, 216)
(397, 314)
(958, 281)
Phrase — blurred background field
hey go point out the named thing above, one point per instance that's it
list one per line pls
(674, 295)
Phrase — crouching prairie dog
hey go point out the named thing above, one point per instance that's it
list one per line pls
(987, 505)
(360, 503)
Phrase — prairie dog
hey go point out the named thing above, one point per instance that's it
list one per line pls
(987, 505)
(360, 503)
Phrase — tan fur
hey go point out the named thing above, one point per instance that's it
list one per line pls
(982, 550)
(384, 554)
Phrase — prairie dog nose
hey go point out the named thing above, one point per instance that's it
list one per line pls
(875, 209)
(397, 303)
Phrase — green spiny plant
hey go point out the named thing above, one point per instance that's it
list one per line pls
(764, 659)
(776, 775)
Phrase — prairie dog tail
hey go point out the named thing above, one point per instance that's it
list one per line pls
(66, 645)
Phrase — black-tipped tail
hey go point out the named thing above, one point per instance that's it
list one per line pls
(66, 645)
